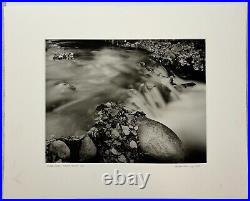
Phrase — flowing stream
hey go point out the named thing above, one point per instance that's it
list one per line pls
(75, 87)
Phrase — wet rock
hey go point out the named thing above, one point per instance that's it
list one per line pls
(178, 88)
(51, 138)
(122, 159)
(59, 161)
(101, 107)
(133, 144)
(87, 150)
(125, 130)
(188, 84)
(134, 132)
(117, 143)
(108, 104)
(114, 151)
(59, 149)
(115, 133)
(64, 86)
(142, 64)
(159, 142)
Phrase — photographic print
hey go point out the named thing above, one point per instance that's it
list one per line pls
(125, 101)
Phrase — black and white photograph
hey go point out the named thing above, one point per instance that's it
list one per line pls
(125, 101)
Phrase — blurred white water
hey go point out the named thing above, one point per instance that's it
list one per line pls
(185, 113)
(186, 116)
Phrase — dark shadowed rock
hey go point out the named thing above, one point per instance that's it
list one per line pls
(188, 84)
(159, 142)
(87, 150)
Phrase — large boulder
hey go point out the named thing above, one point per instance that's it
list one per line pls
(59, 149)
(159, 142)
(87, 150)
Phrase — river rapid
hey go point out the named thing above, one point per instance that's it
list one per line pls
(75, 87)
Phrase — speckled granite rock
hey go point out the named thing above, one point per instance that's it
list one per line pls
(159, 142)
(59, 150)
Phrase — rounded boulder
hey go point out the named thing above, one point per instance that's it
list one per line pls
(87, 150)
(159, 142)
(60, 149)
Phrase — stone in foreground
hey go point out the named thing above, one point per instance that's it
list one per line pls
(59, 149)
(159, 142)
(87, 150)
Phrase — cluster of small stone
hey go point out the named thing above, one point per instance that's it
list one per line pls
(115, 134)
(179, 56)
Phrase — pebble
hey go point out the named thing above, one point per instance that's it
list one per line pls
(133, 144)
(115, 133)
(122, 158)
(51, 137)
(125, 130)
(108, 104)
(59, 161)
(117, 143)
(114, 151)
(134, 132)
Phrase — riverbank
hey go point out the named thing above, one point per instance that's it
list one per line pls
(185, 58)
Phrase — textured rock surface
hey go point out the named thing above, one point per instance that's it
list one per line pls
(87, 150)
(115, 134)
(159, 142)
(71, 144)
(59, 149)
